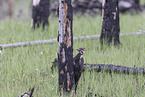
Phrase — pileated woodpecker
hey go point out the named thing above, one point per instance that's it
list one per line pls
(78, 65)
(28, 93)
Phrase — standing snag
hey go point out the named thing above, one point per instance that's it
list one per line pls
(40, 13)
(110, 23)
(65, 55)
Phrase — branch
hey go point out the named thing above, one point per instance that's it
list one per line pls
(39, 42)
(28, 43)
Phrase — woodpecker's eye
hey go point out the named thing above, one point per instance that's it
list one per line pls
(82, 52)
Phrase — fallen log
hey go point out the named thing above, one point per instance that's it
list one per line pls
(115, 68)
(109, 68)
(30, 43)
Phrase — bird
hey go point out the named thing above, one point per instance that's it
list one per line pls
(78, 65)
(78, 61)
(28, 93)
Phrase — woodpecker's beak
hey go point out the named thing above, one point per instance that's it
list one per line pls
(77, 49)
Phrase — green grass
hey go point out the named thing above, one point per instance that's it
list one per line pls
(23, 67)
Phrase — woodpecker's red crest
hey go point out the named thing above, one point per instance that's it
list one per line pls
(81, 50)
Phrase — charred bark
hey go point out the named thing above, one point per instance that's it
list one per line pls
(65, 55)
(137, 5)
(110, 25)
(40, 13)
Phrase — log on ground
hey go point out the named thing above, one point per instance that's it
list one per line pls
(115, 68)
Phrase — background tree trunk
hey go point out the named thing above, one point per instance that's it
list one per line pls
(65, 56)
(137, 4)
(40, 13)
(10, 8)
(110, 24)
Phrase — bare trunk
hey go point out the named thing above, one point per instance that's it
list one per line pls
(110, 27)
(40, 13)
(65, 57)
(10, 8)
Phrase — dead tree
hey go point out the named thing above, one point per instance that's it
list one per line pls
(40, 13)
(9, 4)
(137, 4)
(110, 23)
(10, 8)
(65, 55)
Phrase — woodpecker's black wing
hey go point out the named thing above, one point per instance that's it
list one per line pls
(81, 62)
(78, 68)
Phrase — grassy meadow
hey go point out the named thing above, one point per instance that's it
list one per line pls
(23, 67)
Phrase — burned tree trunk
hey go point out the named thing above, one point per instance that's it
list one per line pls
(137, 4)
(110, 23)
(65, 56)
(40, 13)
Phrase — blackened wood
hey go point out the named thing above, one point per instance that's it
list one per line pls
(137, 5)
(40, 13)
(110, 25)
(65, 56)
(115, 68)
